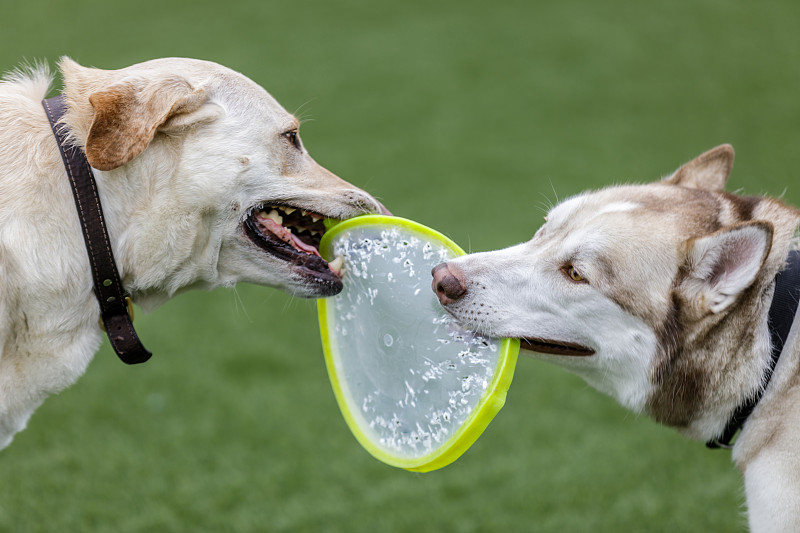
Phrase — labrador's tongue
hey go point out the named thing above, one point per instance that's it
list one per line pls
(286, 236)
(297, 243)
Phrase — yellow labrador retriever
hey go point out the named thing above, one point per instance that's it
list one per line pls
(203, 180)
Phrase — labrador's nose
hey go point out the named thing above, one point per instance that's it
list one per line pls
(383, 209)
(448, 283)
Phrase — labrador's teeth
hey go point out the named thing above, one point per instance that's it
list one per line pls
(303, 212)
(315, 218)
(315, 232)
(275, 216)
(288, 210)
(336, 265)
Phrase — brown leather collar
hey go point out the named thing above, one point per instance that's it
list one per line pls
(114, 301)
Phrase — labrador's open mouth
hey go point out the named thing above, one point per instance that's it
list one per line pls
(554, 347)
(293, 235)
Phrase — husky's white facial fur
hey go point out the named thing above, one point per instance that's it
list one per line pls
(657, 295)
(203, 180)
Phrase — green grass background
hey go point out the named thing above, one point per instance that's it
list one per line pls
(468, 116)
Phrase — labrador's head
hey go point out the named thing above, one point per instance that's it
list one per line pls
(205, 179)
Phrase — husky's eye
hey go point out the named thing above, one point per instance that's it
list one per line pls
(573, 274)
(293, 137)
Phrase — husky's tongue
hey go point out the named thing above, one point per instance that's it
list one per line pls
(285, 235)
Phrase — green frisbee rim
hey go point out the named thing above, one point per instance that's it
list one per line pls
(487, 408)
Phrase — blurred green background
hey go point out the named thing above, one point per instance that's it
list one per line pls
(470, 117)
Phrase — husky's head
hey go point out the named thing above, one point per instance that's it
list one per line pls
(626, 285)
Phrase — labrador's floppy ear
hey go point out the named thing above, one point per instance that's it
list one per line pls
(128, 113)
(709, 170)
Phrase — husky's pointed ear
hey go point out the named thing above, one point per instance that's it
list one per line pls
(725, 263)
(709, 170)
(128, 114)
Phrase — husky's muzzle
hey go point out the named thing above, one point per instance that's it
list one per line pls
(450, 285)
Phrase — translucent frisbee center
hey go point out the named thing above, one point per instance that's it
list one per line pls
(410, 374)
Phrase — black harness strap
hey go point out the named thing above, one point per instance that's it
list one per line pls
(114, 302)
(781, 315)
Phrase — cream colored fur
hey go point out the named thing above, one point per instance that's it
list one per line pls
(182, 149)
(669, 284)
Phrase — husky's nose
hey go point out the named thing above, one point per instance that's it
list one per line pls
(448, 283)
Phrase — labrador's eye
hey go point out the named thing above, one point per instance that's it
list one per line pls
(293, 137)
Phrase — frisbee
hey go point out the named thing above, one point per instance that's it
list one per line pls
(415, 387)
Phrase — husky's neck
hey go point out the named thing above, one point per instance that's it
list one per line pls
(708, 367)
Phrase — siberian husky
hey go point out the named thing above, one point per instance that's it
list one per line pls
(658, 295)
(204, 182)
